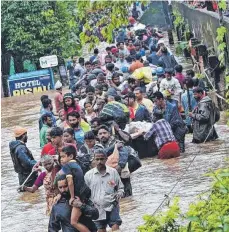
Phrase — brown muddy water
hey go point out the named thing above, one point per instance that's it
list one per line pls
(25, 212)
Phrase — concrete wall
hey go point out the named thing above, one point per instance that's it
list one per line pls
(203, 24)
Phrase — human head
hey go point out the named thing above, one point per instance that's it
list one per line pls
(103, 134)
(74, 119)
(168, 73)
(198, 93)
(108, 50)
(88, 107)
(48, 137)
(157, 115)
(190, 73)
(138, 93)
(108, 59)
(159, 100)
(44, 97)
(68, 135)
(101, 78)
(61, 115)
(90, 91)
(98, 90)
(89, 139)
(132, 83)
(83, 92)
(116, 79)
(74, 59)
(56, 135)
(67, 153)
(47, 162)
(164, 50)
(46, 119)
(62, 185)
(130, 99)
(189, 83)
(81, 61)
(178, 68)
(100, 159)
(121, 56)
(68, 101)
(95, 123)
(20, 134)
(121, 45)
(88, 66)
(138, 57)
(96, 51)
(130, 42)
(47, 104)
(58, 86)
(110, 67)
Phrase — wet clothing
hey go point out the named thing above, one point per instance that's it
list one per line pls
(153, 58)
(47, 179)
(162, 133)
(203, 121)
(168, 61)
(169, 150)
(23, 162)
(185, 105)
(43, 132)
(140, 113)
(61, 215)
(72, 169)
(103, 188)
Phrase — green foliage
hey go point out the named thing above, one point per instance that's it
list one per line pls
(210, 213)
(222, 4)
(180, 46)
(116, 18)
(163, 221)
(36, 28)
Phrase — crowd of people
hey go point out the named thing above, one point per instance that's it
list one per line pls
(88, 152)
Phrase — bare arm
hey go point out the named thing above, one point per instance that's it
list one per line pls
(71, 186)
(32, 189)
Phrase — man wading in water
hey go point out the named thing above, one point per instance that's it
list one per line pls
(22, 157)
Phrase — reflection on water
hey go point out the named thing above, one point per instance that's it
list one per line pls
(26, 211)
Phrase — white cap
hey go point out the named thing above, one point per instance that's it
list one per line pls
(58, 85)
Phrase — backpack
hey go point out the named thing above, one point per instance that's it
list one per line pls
(115, 111)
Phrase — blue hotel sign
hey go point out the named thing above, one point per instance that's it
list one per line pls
(30, 82)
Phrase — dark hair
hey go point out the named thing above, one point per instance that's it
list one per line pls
(90, 89)
(110, 66)
(60, 178)
(108, 56)
(56, 131)
(158, 95)
(46, 102)
(118, 98)
(87, 63)
(169, 70)
(189, 82)
(96, 120)
(89, 135)
(108, 48)
(96, 51)
(198, 90)
(164, 50)
(130, 95)
(44, 97)
(81, 60)
(69, 150)
(104, 127)
(87, 102)
(100, 151)
(69, 95)
(190, 72)
(99, 87)
(138, 56)
(138, 89)
(44, 117)
(178, 68)
(131, 80)
(70, 131)
(153, 49)
(73, 114)
(20, 137)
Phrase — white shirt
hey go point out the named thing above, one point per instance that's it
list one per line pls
(103, 188)
(172, 84)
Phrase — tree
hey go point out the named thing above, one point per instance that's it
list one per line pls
(106, 14)
(31, 29)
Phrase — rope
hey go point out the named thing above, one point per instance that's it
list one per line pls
(7, 204)
(179, 179)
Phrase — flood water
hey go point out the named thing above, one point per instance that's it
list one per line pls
(25, 212)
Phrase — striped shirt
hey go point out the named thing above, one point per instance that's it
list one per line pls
(162, 132)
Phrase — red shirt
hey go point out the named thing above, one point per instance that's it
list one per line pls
(71, 109)
(47, 148)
